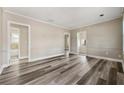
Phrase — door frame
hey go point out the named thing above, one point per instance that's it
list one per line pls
(19, 40)
(67, 33)
(78, 42)
(29, 38)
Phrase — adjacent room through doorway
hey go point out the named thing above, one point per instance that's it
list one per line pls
(18, 47)
(82, 42)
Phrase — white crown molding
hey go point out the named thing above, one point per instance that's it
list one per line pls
(34, 19)
(63, 27)
(95, 23)
(23, 57)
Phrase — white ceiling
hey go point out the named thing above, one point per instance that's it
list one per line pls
(70, 17)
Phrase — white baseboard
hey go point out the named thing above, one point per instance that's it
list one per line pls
(32, 60)
(1, 69)
(111, 59)
(74, 53)
(41, 58)
(6, 65)
(23, 57)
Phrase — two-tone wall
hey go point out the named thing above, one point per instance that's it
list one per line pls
(103, 39)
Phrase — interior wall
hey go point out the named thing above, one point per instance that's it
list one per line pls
(23, 30)
(83, 48)
(46, 40)
(103, 39)
(0, 37)
(123, 36)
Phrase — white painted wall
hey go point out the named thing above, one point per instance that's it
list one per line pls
(46, 40)
(0, 37)
(104, 39)
(123, 36)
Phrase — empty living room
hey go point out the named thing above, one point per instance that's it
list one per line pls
(61, 46)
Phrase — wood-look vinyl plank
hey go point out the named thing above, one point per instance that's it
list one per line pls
(112, 76)
(45, 77)
(74, 70)
(35, 69)
(94, 78)
(20, 72)
(73, 80)
(62, 69)
(29, 64)
(84, 69)
(86, 77)
(30, 76)
(88, 65)
(120, 68)
(120, 78)
(64, 76)
(48, 80)
(29, 69)
(21, 65)
(106, 70)
(15, 80)
(101, 82)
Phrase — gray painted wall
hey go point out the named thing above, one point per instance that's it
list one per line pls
(0, 36)
(103, 39)
(46, 40)
(123, 36)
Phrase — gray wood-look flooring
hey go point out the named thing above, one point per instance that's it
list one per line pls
(75, 70)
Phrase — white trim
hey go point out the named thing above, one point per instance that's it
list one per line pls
(34, 19)
(2, 67)
(74, 53)
(23, 57)
(1, 70)
(82, 26)
(67, 28)
(78, 48)
(41, 58)
(14, 28)
(6, 65)
(67, 33)
(32, 60)
(29, 37)
(111, 59)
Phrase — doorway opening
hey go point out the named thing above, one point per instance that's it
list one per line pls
(67, 44)
(19, 42)
(14, 44)
(82, 42)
